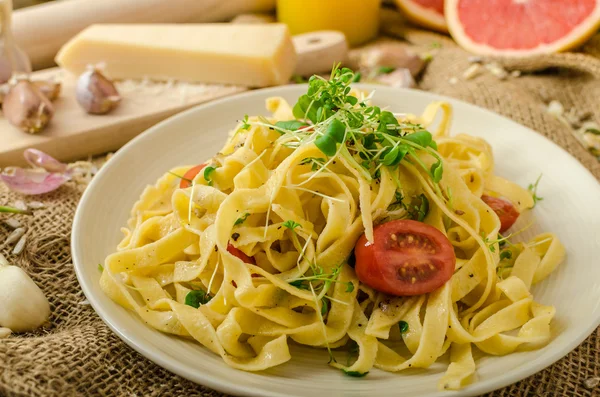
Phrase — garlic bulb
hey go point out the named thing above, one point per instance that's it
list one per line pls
(95, 93)
(24, 306)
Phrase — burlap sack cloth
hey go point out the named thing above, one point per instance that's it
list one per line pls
(79, 355)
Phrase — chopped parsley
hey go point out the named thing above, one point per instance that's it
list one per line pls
(403, 327)
(195, 298)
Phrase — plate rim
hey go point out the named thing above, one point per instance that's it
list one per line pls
(478, 387)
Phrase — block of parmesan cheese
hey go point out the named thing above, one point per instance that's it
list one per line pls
(250, 55)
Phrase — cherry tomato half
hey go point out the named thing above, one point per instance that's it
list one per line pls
(190, 175)
(236, 252)
(406, 258)
(507, 212)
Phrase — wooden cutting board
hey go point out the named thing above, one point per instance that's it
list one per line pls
(72, 134)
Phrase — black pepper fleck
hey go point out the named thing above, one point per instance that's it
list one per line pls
(235, 236)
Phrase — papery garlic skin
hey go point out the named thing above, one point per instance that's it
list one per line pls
(23, 305)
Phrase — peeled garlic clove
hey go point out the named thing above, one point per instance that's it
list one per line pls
(96, 94)
(51, 89)
(26, 107)
(24, 306)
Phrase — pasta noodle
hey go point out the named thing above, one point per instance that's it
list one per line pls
(298, 215)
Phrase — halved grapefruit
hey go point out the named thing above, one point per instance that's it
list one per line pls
(428, 13)
(521, 27)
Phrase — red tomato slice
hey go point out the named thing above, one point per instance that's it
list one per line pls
(507, 212)
(406, 258)
(236, 252)
(190, 175)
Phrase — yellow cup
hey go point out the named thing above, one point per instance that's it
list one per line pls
(357, 19)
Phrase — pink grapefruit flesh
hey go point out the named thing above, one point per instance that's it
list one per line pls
(521, 27)
(428, 13)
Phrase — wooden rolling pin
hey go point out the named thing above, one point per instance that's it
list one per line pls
(41, 30)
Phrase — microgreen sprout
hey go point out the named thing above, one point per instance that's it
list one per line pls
(419, 208)
(398, 202)
(13, 210)
(241, 219)
(195, 298)
(181, 177)
(316, 162)
(505, 254)
(533, 190)
(403, 327)
(299, 79)
(321, 279)
(386, 69)
(290, 125)
(207, 174)
(100, 267)
(290, 224)
(365, 136)
(324, 306)
(355, 374)
(245, 124)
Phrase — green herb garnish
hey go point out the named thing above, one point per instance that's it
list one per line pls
(195, 298)
(299, 79)
(324, 306)
(403, 327)
(290, 224)
(13, 210)
(290, 125)
(100, 267)
(316, 162)
(350, 286)
(355, 374)
(505, 255)
(357, 77)
(533, 190)
(245, 124)
(386, 69)
(181, 177)
(366, 136)
(241, 219)
(594, 131)
(207, 171)
(419, 208)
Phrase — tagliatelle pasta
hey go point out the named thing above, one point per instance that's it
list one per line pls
(274, 197)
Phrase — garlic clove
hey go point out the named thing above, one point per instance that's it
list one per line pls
(24, 305)
(5, 332)
(50, 89)
(95, 93)
(38, 159)
(399, 78)
(26, 107)
(387, 54)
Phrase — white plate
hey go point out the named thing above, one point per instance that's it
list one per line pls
(570, 209)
